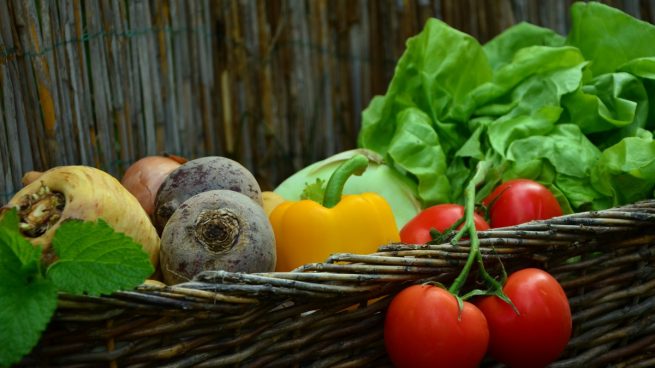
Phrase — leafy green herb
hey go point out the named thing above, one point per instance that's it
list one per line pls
(93, 259)
(109, 260)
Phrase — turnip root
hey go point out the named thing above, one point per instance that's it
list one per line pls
(216, 230)
(30, 176)
(200, 175)
(84, 193)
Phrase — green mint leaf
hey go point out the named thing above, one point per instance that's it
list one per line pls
(94, 259)
(11, 237)
(9, 220)
(27, 300)
(314, 191)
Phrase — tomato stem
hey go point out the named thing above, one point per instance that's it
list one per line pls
(469, 227)
(355, 165)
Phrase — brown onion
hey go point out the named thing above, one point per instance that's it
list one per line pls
(144, 177)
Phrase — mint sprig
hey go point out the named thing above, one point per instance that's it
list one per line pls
(108, 260)
(93, 259)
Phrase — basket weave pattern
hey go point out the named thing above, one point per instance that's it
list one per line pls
(332, 313)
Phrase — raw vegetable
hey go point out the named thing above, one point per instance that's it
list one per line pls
(216, 230)
(574, 113)
(30, 176)
(520, 200)
(440, 217)
(381, 178)
(538, 331)
(200, 175)
(425, 327)
(307, 231)
(462, 344)
(92, 259)
(144, 177)
(84, 193)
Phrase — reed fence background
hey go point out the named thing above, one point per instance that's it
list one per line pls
(274, 84)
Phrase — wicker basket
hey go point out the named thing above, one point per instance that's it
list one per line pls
(331, 314)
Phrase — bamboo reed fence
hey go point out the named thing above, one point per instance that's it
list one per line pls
(275, 84)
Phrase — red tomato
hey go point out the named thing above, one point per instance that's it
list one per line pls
(521, 200)
(439, 217)
(539, 333)
(422, 329)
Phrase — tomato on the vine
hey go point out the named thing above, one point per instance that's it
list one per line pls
(539, 333)
(520, 200)
(423, 328)
(439, 217)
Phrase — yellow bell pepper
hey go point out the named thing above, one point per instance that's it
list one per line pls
(307, 231)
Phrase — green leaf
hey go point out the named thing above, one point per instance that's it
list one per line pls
(94, 259)
(9, 219)
(429, 77)
(609, 37)
(27, 300)
(452, 103)
(314, 191)
(611, 107)
(12, 238)
(644, 68)
(560, 67)
(415, 148)
(502, 48)
(626, 171)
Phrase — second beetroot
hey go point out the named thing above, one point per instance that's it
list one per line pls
(201, 175)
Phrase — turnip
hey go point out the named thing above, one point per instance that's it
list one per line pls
(201, 175)
(216, 230)
(84, 193)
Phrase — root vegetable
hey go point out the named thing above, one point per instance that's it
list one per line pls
(30, 176)
(85, 193)
(201, 175)
(144, 177)
(216, 230)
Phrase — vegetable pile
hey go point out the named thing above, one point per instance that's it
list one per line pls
(574, 113)
(77, 229)
(468, 137)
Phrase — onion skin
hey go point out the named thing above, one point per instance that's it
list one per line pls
(144, 177)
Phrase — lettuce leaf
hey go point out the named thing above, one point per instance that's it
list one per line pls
(626, 171)
(575, 112)
(609, 37)
(501, 49)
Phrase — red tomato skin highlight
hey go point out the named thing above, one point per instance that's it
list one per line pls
(439, 217)
(537, 336)
(422, 329)
(521, 200)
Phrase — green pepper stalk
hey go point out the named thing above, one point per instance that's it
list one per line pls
(380, 177)
(355, 165)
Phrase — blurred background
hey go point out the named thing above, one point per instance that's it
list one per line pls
(273, 84)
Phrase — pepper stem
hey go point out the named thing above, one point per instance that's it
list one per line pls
(355, 165)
